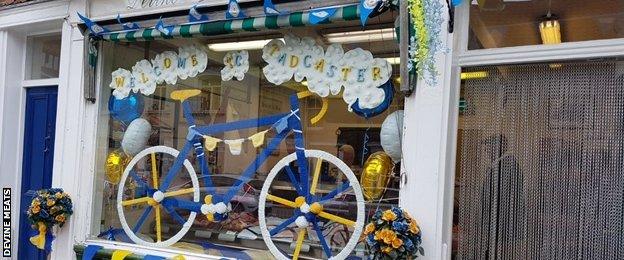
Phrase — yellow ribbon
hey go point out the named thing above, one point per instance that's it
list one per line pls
(120, 254)
(39, 240)
(178, 257)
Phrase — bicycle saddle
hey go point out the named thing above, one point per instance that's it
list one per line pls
(184, 94)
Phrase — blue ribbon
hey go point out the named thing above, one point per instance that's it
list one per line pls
(456, 2)
(153, 257)
(90, 251)
(226, 251)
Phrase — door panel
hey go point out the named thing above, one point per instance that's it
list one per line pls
(39, 128)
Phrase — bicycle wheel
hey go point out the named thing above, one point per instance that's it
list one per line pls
(308, 212)
(143, 173)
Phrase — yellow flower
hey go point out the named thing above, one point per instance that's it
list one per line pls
(36, 209)
(390, 236)
(60, 218)
(397, 242)
(58, 195)
(369, 228)
(413, 227)
(35, 202)
(51, 202)
(388, 215)
(386, 249)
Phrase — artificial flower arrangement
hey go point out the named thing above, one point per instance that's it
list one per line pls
(393, 234)
(48, 208)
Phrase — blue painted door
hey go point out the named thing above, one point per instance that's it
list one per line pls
(40, 121)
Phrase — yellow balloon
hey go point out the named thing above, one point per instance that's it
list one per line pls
(116, 162)
(376, 174)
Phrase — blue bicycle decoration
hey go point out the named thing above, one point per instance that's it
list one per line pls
(214, 204)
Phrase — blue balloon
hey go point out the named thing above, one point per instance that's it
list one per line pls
(127, 109)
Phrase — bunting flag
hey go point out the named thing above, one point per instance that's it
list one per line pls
(269, 8)
(129, 26)
(456, 2)
(257, 139)
(164, 29)
(93, 27)
(211, 143)
(321, 15)
(236, 145)
(366, 8)
(234, 11)
(195, 16)
(153, 257)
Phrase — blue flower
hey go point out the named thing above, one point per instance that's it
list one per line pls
(409, 245)
(377, 215)
(44, 214)
(398, 212)
(399, 226)
(370, 240)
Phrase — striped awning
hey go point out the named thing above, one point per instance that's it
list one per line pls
(211, 28)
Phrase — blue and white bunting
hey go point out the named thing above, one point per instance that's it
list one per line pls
(456, 2)
(129, 26)
(321, 15)
(234, 11)
(269, 8)
(164, 29)
(195, 16)
(366, 8)
(93, 27)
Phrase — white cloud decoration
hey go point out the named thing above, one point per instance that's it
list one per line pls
(144, 78)
(191, 61)
(166, 67)
(121, 83)
(328, 71)
(236, 65)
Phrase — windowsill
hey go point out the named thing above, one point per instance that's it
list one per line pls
(138, 251)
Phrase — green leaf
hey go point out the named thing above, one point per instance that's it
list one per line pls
(421, 250)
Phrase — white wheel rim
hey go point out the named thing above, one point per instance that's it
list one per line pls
(187, 225)
(359, 223)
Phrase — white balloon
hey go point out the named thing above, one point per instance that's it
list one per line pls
(391, 135)
(136, 136)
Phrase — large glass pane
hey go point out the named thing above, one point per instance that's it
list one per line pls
(498, 23)
(345, 139)
(42, 56)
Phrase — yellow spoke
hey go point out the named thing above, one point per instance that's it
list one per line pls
(336, 219)
(179, 192)
(282, 201)
(154, 171)
(158, 228)
(315, 178)
(136, 201)
(300, 237)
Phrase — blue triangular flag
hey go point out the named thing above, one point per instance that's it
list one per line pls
(269, 8)
(366, 8)
(456, 2)
(321, 15)
(93, 27)
(129, 25)
(234, 11)
(165, 29)
(195, 16)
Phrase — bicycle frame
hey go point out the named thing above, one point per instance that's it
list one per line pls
(289, 121)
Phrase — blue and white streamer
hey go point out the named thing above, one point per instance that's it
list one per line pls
(129, 26)
(93, 27)
(234, 11)
(269, 8)
(195, 16)
(165, 29)
(366, 8)
(322, 15)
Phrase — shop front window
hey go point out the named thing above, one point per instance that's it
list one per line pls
(239, 134)
(498, 24)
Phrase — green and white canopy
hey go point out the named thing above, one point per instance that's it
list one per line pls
(210, 28)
